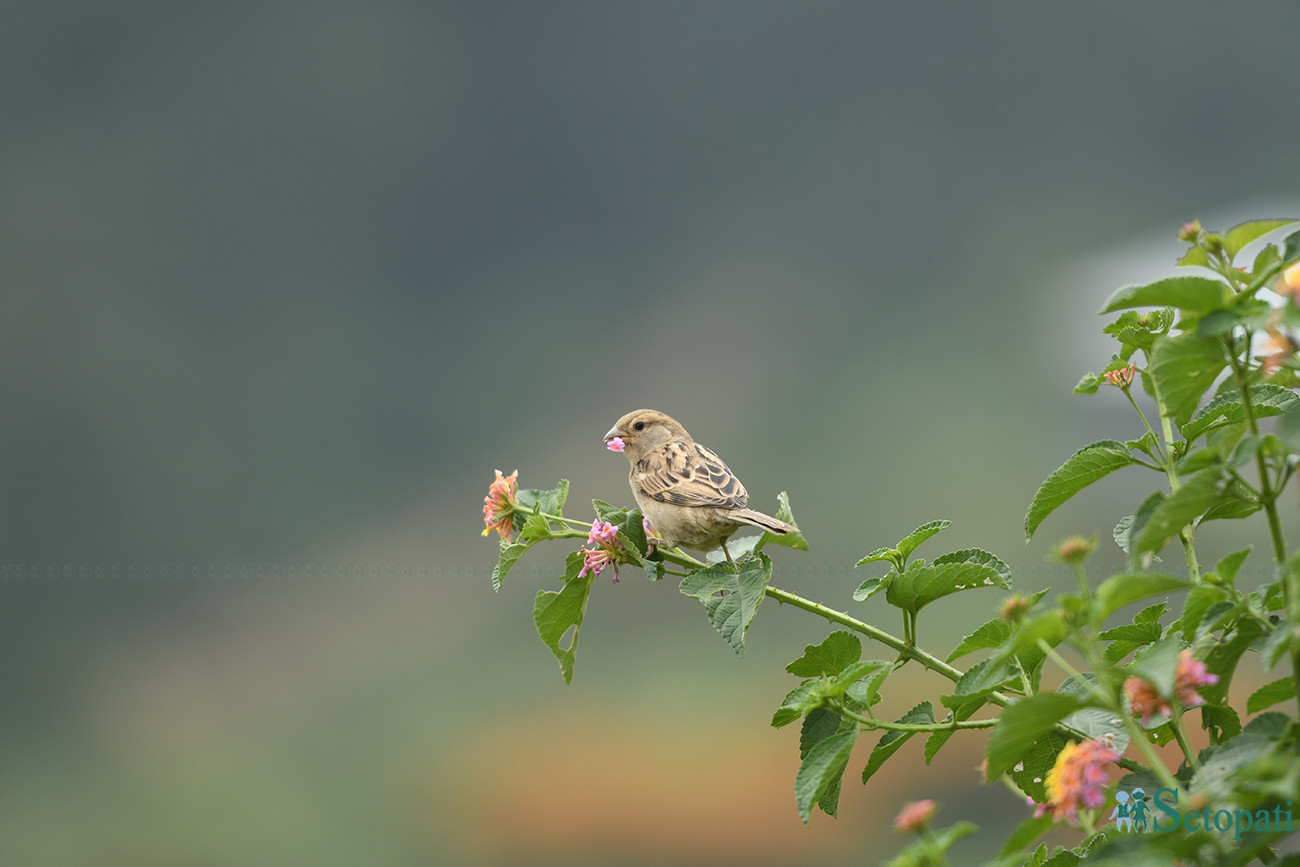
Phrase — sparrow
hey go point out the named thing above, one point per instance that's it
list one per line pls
(686, 492)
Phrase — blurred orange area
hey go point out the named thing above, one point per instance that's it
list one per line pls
(715, 792)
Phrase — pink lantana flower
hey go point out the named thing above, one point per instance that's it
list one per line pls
(915, 816)
(1145, 702)
(1192, 674)
(499, 504)
(604, 539)
(615, 445)
(1078, 779)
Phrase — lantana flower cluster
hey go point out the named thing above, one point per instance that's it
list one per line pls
(499, 504)
(1078, 779)
(1145, 701)
(605, 551)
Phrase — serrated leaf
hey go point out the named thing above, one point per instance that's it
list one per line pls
(1182, 368)
(824, 764)
(743, 585)
(922, 584)
(890, 742)
(1223, 658)
(555, 613)
(981, 680)
(1240, 235)
(1128, 587)
(1228, 567)
(799, 701)
(978, 556)
(820, 724)
(1030, 772)
(1023, 723)
(1088, 384)
(794, 540)
(1199, 600)
(872, 586)
(919, 535)
(1084, 467)
(1271, 693)
(1291, 248)
(878, 554)
(535, 528)
(1220, 721)
(840, 650)
(1195, 294)
(993, 633)
(1197, 495)
(533, 499)
(1266, 399)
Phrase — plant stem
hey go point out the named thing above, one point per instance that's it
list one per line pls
(869, 723)
(1289, 578)
(1183, 744)
(933, 663)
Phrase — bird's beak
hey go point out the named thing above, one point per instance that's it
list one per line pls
(614, 432)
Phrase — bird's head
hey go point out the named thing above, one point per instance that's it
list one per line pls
(644, 430)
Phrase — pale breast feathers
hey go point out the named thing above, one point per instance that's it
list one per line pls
(688, 474)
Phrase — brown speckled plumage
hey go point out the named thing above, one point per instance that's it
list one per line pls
(687, 492)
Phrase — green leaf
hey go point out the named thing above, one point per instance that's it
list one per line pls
(1270, 694)
(801, 700)
(872, 586)
(1030, 771)
(1199, 600)
(532, 499)
(1220, 721)
(1128, 587)
(1242, 234)
(978, 556)
(1228, 567)
(1126, 638)
(1266, 399)
(535, 528)
(891, 741)
(1182, 368)
(1195, 294)
(919, 535)
(921, 584)
(794, 540)
(732, 613)
(1199, 493)
(1024, 835)
(1223, 658)
(1291, 249)
(993, 633)
(823, 766)
(817, 727)
(557, 612)
(840, 650)
(1023, 723)
(1158, 664)
(1086, 466)
(878, 554)
(981, 680)
(1088, 384)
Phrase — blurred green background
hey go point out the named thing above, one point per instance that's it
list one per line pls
(285, 282)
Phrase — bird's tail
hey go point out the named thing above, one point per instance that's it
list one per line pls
(766, 522)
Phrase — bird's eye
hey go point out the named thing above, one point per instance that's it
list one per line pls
(639, 426)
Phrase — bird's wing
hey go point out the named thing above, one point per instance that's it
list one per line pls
(688, 474)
